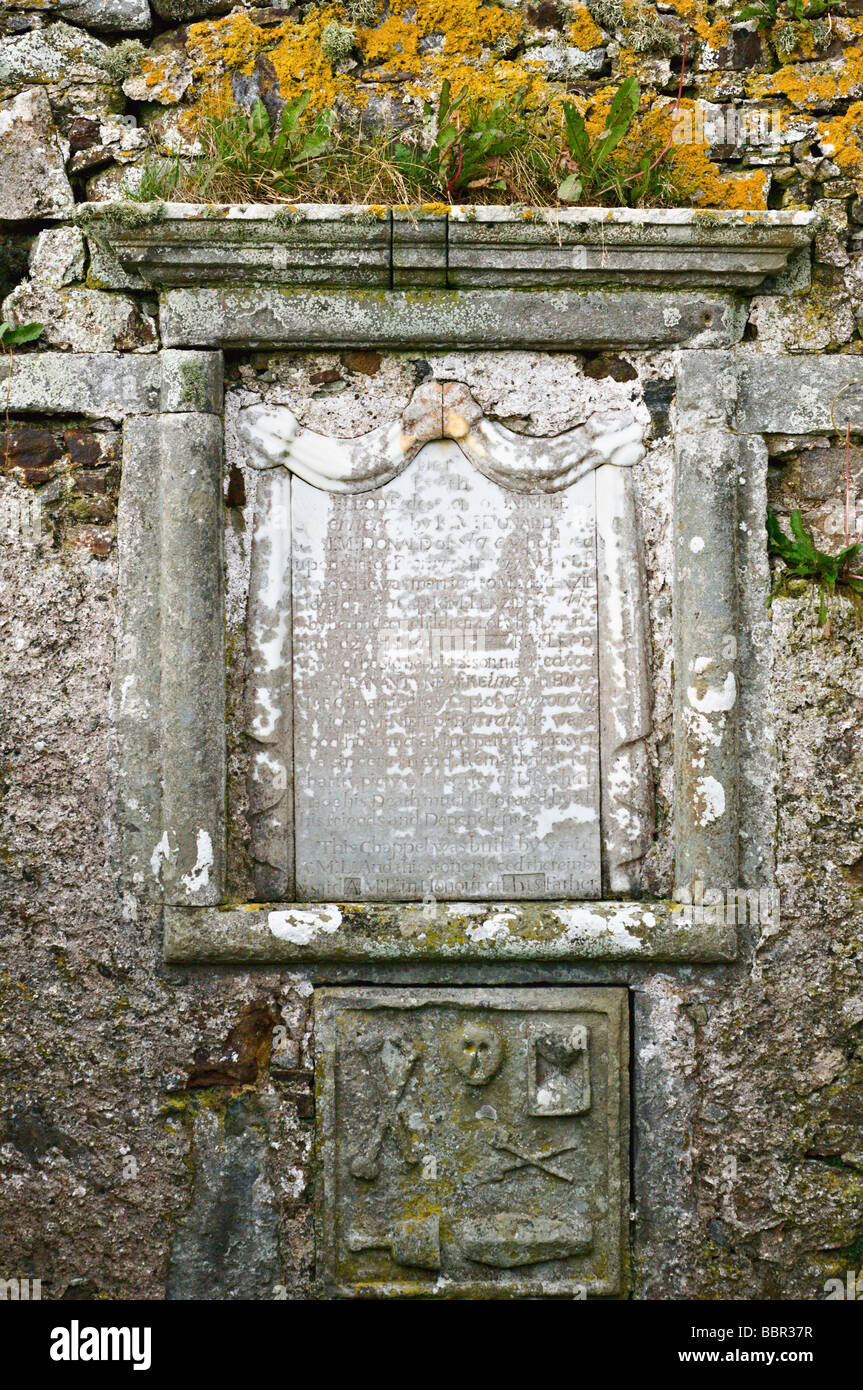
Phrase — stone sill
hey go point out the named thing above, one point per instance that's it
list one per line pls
(310, 934)
(169, 245)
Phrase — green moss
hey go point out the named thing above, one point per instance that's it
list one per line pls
(193, 385)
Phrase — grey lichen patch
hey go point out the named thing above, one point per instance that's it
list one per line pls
(638, 25)
(121, 214)
(122, 60)
(337, 42)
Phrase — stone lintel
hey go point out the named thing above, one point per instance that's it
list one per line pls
(385, 933)
(433, 318)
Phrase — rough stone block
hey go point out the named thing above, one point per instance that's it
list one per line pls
(107, 16)
(813, 394)
(97, 385)
(823, 319)
(82, 320)
(34, 182)
(58, 256)
(227, 1242)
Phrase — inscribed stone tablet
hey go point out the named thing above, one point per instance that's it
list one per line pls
(445, 688)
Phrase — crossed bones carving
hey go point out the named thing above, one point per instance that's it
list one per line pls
(520, 1157)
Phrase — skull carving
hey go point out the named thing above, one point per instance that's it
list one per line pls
(475, 1051)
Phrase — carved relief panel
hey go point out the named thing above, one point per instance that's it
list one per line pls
(472, 1143)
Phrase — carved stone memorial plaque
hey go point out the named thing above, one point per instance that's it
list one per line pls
(472, 1143)
(445, 687)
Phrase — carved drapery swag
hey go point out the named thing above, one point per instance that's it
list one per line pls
(607, 443)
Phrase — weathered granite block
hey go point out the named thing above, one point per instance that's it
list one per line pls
(192, 381)
(34, 176)
(816, 394)
(107, 16)
(227, 1242)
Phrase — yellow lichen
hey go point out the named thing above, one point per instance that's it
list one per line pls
(583, 31)
(686, 166)
(842, 140)
(714, 33)
(471, 47)
(807, 84)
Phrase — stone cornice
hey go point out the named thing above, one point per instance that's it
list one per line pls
(170, 245)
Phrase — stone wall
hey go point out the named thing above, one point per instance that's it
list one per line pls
(155, 1133)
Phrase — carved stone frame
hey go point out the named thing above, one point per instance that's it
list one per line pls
(604, 447)
(170, 675)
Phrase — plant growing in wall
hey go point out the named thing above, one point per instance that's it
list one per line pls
(769, 12)
(789, 19)
(829, 574)
(593, 173)
(471, 137)
(246, 156)
(261, 157)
